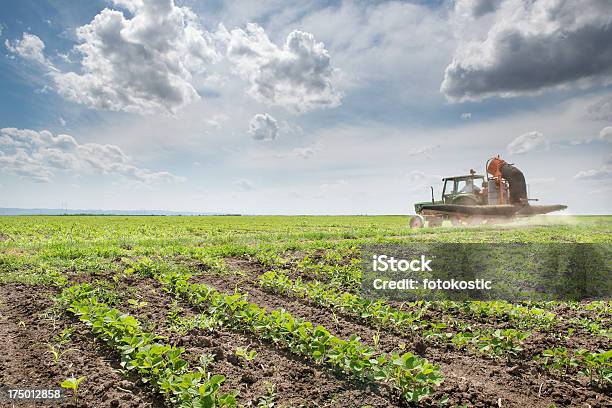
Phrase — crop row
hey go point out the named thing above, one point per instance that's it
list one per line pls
(158, 364)
(414, 377)
(340, 270)
(596, 366)
(382, 314)
(522, 316)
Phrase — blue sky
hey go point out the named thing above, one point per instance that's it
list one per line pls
(300, 107)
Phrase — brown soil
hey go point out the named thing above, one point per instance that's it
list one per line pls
(472, 379)
(25, 361)
(297, 382)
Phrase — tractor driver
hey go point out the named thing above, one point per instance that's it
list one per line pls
(470, 187)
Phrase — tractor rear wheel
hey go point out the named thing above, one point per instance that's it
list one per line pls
(417, 221)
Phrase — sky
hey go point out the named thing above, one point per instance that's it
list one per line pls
(300, 107)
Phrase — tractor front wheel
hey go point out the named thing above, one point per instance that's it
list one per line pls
(417, 221)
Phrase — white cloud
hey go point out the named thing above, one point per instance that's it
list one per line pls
(29, 47)
(534, 45)
(61, 121)
(602, 173)
(142, 64)
(606, 134)
(39, 155)
(244, 185)
(601, 109)
(466, 115)
(527, 142)
(297, 76)
(263, 127)
(477, 8)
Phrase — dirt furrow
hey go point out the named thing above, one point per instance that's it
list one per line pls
(26, 361)
(296, 382)
(469, 378)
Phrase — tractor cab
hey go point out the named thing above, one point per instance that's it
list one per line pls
(464, 190)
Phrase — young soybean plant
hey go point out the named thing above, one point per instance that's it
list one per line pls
(73, 383)
(245, 354)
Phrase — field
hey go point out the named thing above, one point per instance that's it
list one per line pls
(267, 312)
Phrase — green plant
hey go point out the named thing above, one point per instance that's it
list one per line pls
(596, 366)
(158, 364)
(206, 360)
(73, 383)
(556, 359)
(136, 304)
(57, 352)
(502, 341)
(376, 338)
(412, 375)
(268, 400)
(245, 354)
(64, 336)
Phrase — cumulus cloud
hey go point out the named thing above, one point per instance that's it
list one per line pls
(298, 75)
(146, 57)
(602, 173)
(39, 155)
(29, 47)
(601, 110)
(263, 127)
(606, 134)
(477, 8)
(527, 142)
(142, 64)
(534, 45)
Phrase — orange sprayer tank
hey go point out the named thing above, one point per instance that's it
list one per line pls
(494, 167)
(497, 189)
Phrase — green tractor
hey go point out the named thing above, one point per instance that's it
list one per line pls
(475, 199)
(458, 190)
